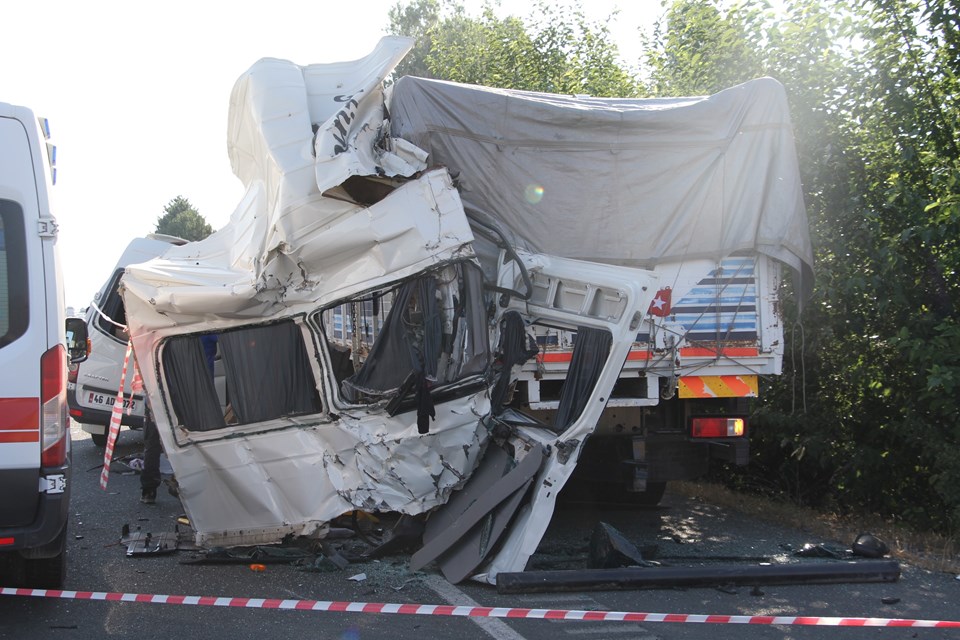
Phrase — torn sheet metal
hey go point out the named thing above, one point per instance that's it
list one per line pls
(585, 295)
(255, 488)
(296, 242)
(464, 530)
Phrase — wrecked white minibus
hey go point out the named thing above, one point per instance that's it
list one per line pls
(370, 331)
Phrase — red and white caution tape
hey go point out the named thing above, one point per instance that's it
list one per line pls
(115, 417)
(476, 612)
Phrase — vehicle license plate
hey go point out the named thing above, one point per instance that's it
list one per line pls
(105, 401)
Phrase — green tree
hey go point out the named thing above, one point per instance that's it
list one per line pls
(697, 49)
(556, 49)
(182, 220)
(416, 20)
(874, 98)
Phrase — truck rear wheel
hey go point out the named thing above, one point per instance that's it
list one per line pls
(649, 498)
(99, 439)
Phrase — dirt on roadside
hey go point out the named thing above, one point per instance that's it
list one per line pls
(922, 549)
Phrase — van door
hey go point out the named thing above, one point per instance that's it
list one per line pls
(604, 306)
(34, 429)
(21, 309)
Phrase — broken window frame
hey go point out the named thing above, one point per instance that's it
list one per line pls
(402, 396)
(113, 310)
(298, 419)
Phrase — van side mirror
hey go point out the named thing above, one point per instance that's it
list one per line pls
(78, 344)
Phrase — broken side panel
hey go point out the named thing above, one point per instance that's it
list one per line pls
(605, 305)
(278, 428)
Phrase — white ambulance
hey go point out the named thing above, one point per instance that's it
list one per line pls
(34, 427)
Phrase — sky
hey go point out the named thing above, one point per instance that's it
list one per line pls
(137, 94)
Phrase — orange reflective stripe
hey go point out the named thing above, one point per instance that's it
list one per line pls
(718, 386)
(738, 387)
(644, 354)
(693, 387)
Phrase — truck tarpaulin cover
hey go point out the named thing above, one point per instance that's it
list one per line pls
(665, 179)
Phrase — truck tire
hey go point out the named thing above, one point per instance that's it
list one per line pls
(649, 498)
(99, 439)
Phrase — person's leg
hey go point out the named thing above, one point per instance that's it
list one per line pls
(150, 476)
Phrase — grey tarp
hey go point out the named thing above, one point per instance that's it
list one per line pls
(635, 182)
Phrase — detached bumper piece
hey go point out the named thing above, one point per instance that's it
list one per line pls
(669, 577)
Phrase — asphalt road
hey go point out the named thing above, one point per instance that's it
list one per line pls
(680, 532)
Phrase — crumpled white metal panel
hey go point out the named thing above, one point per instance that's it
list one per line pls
(287, 251)
(251, 488)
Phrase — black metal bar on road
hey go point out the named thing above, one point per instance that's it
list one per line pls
(708, 576)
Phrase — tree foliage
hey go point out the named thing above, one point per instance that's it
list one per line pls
(557, 49)
(873, 90)
(182, 220)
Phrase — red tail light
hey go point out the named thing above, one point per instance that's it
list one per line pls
(53, 406)
(717, 427)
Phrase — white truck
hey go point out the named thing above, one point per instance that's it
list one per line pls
(703, 191)
(397, 288)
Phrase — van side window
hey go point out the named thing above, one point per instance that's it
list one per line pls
(241, 376)
(386, 344)
(112, 307)
(14, 296)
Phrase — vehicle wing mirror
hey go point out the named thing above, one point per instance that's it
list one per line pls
(78, 343)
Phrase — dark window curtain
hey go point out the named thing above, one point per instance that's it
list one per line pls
(514, 349)
(589, 355)
(191, 387)
(431, 338)
(268, 373)
(409, 341)
(476, 358)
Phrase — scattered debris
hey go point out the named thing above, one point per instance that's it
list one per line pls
(261, 554)
(609, 549)
(889, 600)
(810, 550)
(140, 543)
(360, 577)
(319, 564)
(868, 545)
(406, 535)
